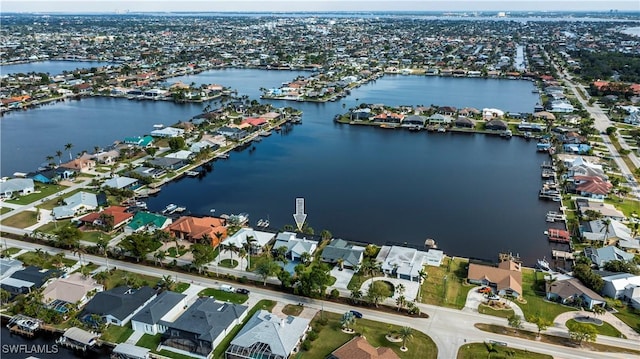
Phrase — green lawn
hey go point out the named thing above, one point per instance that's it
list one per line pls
(292, 309)
(90, 267)
(117, 334)
(533, 293)
(218, 352)
(51, 227)
(23, 219)
(119, 277)
(149, 341)
(224, 296)
(10, 251)
(181, 287)
(629, 316)
(42, 190)
(502, 313)
(627, 206)
(447, 285)
(175, 254)
(4, 210)
(228, 263)
(330, 338)
(89, 236)
(45, 260)
(481, 350)
(604, 329)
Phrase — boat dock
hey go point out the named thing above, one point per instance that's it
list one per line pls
(553, 216)
(24, 326)
(558, 235)
(562, 255)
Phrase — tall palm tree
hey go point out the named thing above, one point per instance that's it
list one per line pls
(606, 223)
(242, 253)
(59, 155)
(400, 289)
(50, 160)
(401, 301)
(159, 257)
(347, 320)
(68, 147)
(405, 333)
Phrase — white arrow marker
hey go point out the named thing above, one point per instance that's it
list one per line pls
(299, 216)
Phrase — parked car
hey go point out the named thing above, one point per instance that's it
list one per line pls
(227, 288)
(242, 291)
(493, 297)
(484, 290)
(356, 314)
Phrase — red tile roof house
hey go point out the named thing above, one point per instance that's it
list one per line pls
(195, 228)
(82, 164)
(592, 186)
(120, 217)
(254, 121)
(506, 278)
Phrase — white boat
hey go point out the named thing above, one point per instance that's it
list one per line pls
(543, 264)
(170, 208)
(159, 125)
(265, 133)
(27, 324)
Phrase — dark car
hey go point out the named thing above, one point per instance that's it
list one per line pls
(242, 291)
(356, 314)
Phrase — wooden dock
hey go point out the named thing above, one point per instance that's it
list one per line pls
(15, 329)
(562, 255)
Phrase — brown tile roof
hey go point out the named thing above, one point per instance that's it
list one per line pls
(359, 348)
(501, 277)
(118, 213)
(196, 228)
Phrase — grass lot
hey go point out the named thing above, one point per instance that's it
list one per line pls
(149, 341)
(117, 334)
(481, 350)
(181, 287)
(175, 254)
(224, 296)
(23, 219)
(119, 277)
(330, 338)
(91, 236)
(90, 267)
(446, 285)
(502, 313)
(10, 251)
(4, 210)
(604, 329)
(228, 263)
(44, 260)
(265, 304)
(292, 309)
(54, 202)
(627, 206)
(533, 293)
(42, 190)
(629, 316)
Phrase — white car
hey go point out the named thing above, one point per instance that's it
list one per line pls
(493, 297)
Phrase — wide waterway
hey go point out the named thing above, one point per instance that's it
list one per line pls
(474, 194)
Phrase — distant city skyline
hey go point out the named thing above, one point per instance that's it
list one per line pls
(99, 6)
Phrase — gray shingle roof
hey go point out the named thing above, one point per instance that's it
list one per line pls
(158, 308)
(119, 302)
(207, 318)
(339, 248)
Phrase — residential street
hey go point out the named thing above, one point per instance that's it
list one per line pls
(449, 328)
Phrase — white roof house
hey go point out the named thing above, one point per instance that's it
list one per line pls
(596, 231)
(267, 333)
(622, 286)
(601, 256)
(72, 289)
(239, 239)
(16, 186)
(406, 263)
(167, 132)
(120, 182)
(75, 204)
(181, 155)
(295, 246)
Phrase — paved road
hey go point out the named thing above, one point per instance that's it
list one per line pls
(449, 328)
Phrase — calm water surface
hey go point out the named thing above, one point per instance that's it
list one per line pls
(476, 195)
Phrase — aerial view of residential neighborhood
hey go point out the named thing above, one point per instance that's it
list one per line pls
(319, 179)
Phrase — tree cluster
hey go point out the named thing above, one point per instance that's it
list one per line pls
(584, 273)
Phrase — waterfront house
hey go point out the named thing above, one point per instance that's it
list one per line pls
(359, 348)
(118, 305)
(606, 210)
(579, 166)
(248, 237)
(572, 291)
(181, 155)
(129, 351)
(623, 286)
(75, 204)
(496, 125)
(165, 307)
(143, 142)
(544, 115)
(121, 183)
(232, 133)
(413, 120)
(16, 187)
(194, 229)
(196, 147)
(361, 114)
(271, 116)
(572, 137)
(601, 256)
(438, 118)
(8, 266)
(388, 117)
(339, 249)
(46, 176)
(613, 233)
(591, 186)
(74, 289)
(167, 132)
(464, 122)
(447, 110)
(578, 149)
(266, 334)
(295, 246)
(169, 164)
(257, 122)
(25, 280)
(491, 113)
(149, 172)
(407, 263)
(505, 279)
(202, 327)
(529, 127)
(146, 221)
(83, 164)
(119, 215)
(107, 157)
(78, 339)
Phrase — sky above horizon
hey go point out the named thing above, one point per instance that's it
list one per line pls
(102, 6)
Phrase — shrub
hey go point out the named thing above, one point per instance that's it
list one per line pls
(334, 294)
(312, 335)
(244, 279)
(306, 345)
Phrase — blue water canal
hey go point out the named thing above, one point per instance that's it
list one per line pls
(475, 195)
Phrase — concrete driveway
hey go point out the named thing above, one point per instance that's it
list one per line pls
(343, 277)
(475, 298)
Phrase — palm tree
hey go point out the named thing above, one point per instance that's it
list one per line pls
(400, 289)
(400, 301)
(159, 257)
(242, 253)
(167, 282)
(50, 160)
(405, 333)
(423, 275)
(305, 257)
(606, 222)
(68, 147)
(79, 251)
(59, 155)
(348, 319)
(356, 295)
(340, 262)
